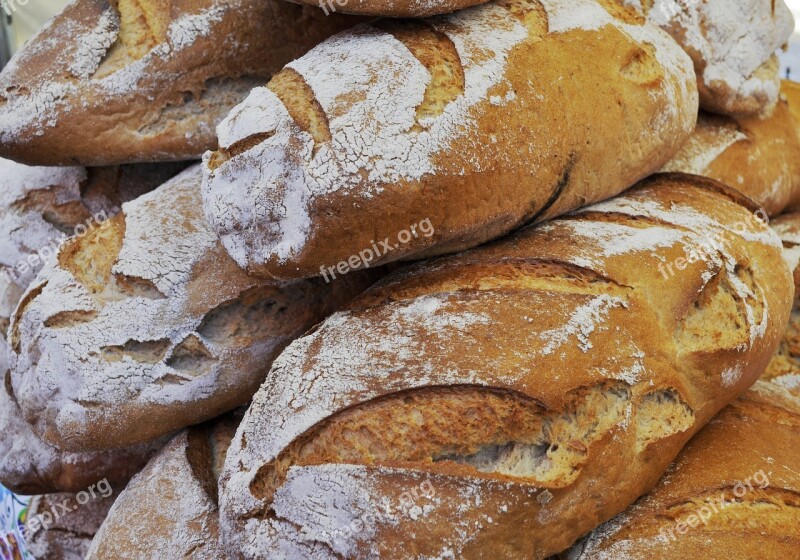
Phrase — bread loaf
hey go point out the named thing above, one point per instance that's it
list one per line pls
(502, 402)
(732, 493)
(145, 325)
(784, 368)
(733, 47)
(68, 536)
(393, 8)
(758, 156)
(119, 81)
(170, 509)
(463, 126)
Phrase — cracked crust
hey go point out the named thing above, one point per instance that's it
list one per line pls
(439, 404)
(145, 325)
(742, 472)
(394, 8)
(459, 119)
(758, 156)
(148, 80)
(170, 509)
(734, 51)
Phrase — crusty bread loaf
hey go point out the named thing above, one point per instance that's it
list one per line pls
(120, 81)
(733, 47)
(791, 92)
(732, 493)
(393, 8)
(502, 402)
(758, 156)
(68, 537)
(40, 206)
(145, 325)
(170, 509)
(477, 122)
(784, 368)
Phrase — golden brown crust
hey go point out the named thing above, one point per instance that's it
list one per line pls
(510, 382)
(478, 121)
(759, 156)
(733, 492)
(145, 80)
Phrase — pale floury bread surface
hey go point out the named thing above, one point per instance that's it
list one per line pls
(145, 325)
(39, 207)
(479, 121)
(732, 493)
(68, 537)
(757, 156)
(784, 368)
(733, 46)
(502, 402)
(170, 509)
(128, 81)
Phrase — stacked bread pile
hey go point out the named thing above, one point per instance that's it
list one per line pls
(495, 280)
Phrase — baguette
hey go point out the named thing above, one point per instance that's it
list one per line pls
(784, 368)
(438, 404)
(732, 493)
(69, 535)
(145, 325)
(170, 510)
(758, 156)
(121, 81)
(471, 124)
(733, 49)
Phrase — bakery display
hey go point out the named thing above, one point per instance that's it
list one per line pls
(144, 326)
(170, 510)
(120, 81)
(733, 48)
(459, 120)
(732, 493)
(506, 279)
(514, 379)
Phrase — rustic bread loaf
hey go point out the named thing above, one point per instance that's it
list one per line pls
(784, 368)
(393, 8)
(760, 157)
(502, 402)
(732, 493)
(67, 537)
(733, 47)
(170, 509)
(41, 206)
(120, 81)
(145, 325)
(470, 124)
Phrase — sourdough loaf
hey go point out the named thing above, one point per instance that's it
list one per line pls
(120, 81)
(784, 368)
(145, 325)
(733, 47)
(502, 402)
(470, 125)
(732, 493)
(67, 537)
(41, 206)
(170, 509)
(758, 156)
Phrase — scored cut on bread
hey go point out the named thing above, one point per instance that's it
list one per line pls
(734, 50)
(478, 122)
(170, 509)
(145, 326)
(479, 401)
(732, 492)
(120, 81)
(759, 156)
